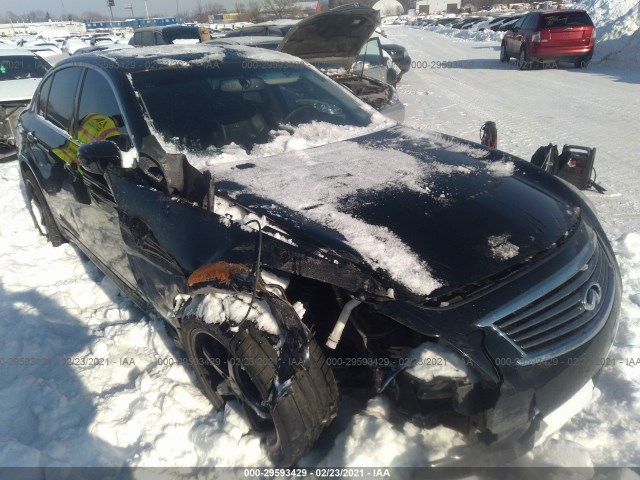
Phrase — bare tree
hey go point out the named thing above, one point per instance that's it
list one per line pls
(280, 8)
(91, 16)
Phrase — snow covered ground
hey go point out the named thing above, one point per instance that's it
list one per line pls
(87, 380)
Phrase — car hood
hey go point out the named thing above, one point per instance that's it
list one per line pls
(334, 37)
(430, 213)
(18, 90)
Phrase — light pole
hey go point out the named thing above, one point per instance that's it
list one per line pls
(146, 9)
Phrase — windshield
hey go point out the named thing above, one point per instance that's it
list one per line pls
(20, 67)
(235, 104)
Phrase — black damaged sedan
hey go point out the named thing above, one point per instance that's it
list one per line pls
(298, 244)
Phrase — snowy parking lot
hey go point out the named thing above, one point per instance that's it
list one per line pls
(88, 380)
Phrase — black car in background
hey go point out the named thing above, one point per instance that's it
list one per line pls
(399, 55)
(167, 35)
(472, 288)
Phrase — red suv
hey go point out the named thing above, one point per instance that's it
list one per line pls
(559, 35)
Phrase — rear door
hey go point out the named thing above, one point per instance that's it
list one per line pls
(48, 138)
(566, 30)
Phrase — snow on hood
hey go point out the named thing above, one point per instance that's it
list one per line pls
(315, 189)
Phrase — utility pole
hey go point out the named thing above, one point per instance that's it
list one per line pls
(111, 4)
(146, 9)
(129, 6)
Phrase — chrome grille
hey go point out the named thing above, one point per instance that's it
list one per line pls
(562, 314)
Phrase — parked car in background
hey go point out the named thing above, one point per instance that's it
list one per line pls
(268, 42)
(508, 20)
(552, 36)
(72, 44)
(168, 35)
(20, 73)
(298, 244)
(102, 47)
(273, 28)
(340, 43)
(399, 55)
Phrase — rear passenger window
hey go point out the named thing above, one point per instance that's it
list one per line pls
(159, 39)
(62, 96)
(43, 97)
(147, 38)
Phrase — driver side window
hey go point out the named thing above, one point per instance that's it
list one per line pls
(99, 116)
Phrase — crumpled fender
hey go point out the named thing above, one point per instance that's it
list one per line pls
(230, 278)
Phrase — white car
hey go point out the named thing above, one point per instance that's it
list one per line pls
(20, 74)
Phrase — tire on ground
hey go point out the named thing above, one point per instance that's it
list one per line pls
(300, 415)
(47, 225)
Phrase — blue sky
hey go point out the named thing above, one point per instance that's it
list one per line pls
(55, 7)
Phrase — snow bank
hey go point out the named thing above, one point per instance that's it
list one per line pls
(617, 26)
(617, 23)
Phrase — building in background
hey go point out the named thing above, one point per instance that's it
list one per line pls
(135, 23)
(428, 7)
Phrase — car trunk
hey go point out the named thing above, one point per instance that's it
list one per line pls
(570, 29)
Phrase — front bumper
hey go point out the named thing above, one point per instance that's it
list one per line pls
(513, 399)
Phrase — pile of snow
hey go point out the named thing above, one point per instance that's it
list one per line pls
(389, 8)
(467, 34)
(617, 25)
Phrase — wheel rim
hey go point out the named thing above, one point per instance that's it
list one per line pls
(226, 376)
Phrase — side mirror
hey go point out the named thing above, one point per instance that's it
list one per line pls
(95, 157)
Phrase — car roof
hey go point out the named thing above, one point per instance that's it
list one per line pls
(15, 51)
(131, 60)
(159, 28)
(247, 40)
(568, 10)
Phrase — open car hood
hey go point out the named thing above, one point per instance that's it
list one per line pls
(334, 37)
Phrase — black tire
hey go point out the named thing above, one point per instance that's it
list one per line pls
(244, 362)
(523, 59)
(584, 63)
(504, 57)
(40, 212)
